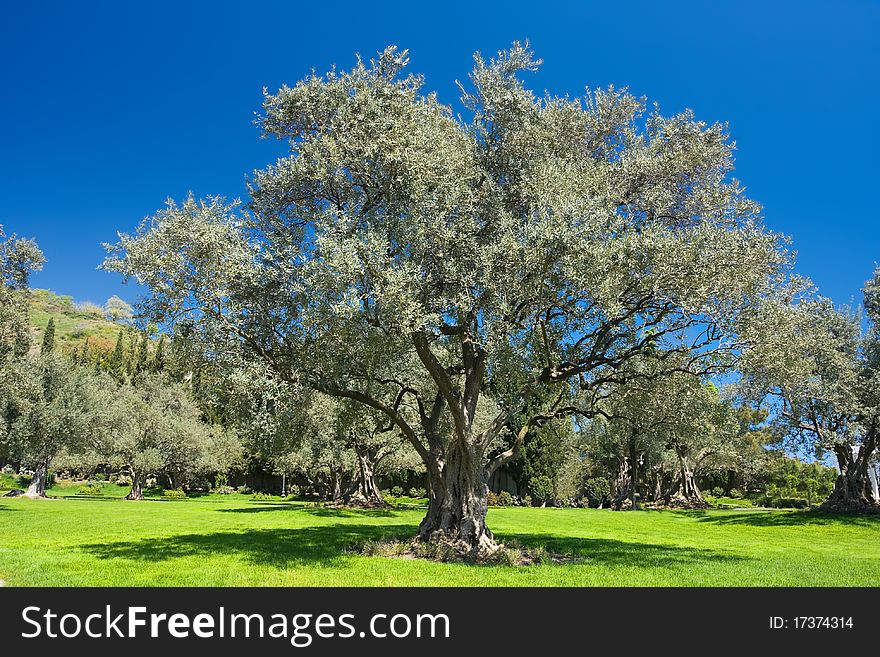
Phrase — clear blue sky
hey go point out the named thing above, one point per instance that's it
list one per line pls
(109, 109)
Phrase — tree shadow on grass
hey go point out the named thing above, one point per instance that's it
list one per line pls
(621, 553)
(324, 512)
(332, 545)
(790, 519)
(281, 548)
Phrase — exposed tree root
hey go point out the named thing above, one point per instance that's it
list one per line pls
(447, 551)
(849, 506)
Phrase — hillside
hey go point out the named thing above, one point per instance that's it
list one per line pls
(74, 322)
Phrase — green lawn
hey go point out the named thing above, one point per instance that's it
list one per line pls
(234, 541)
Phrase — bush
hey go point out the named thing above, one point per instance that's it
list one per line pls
(527, 500)
(718, 491)
(90, 489)
(174, 494)
(736, 493)
(492, 499)
(416, 492)
(397, 491)
(261, 497)
(505, 498)
(8, 470)
(597, 490)
(224, 490)
(244, 489)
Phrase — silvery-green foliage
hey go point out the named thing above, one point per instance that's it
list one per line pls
(18, 258)
(155, 427)
(820, 367)
(48, 405)
(399, 255)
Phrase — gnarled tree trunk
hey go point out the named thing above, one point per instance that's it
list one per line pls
(684, 492)
(458, 503)
(628, 480)
(367, 492)
(622, 491)
(852, 491)
(37, 486)
(137, 487)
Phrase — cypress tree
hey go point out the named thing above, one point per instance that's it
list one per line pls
(116, 363)
(140, 359)
(48, 345)
(159, 356)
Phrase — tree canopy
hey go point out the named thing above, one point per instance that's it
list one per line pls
(404, 258)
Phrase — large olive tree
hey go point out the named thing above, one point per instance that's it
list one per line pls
(821, 371)
(401, 256)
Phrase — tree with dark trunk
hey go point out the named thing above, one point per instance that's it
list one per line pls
(37, 487)
(153, 427)
(137, 486)
(684, 492)
(407, 261)
(825, 370)
(50, 407)
(852, 490)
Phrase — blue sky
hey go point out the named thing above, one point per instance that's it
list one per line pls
(108, 109)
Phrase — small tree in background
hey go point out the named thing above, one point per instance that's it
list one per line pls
(18, 258)
(49, 406)
(48, 345)
(117, 310)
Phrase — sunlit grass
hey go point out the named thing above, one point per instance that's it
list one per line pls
(234, 541)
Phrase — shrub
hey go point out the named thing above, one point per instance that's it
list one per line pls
(397, 491)
(597, 490)
(221, 480)
(90, 489)
(416, 492)
(176, 494)
(224, 490)
(8, 470)
(736, 493)
(492, 499)
(505, 498)
(718, 491)
(261, 497)
(244, 489)
(527, 500)
(541, 487)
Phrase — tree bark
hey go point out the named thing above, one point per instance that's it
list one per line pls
(37, 486)
(634, 464)
(852, 491)
(367, 492)
(623, 484)
(684, 492)
(137, 487)
(457, 503)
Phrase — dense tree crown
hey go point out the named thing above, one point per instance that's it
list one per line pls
(821, 369)
(18, 258)
(416, 262)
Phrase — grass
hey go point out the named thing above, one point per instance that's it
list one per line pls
(231, 540)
